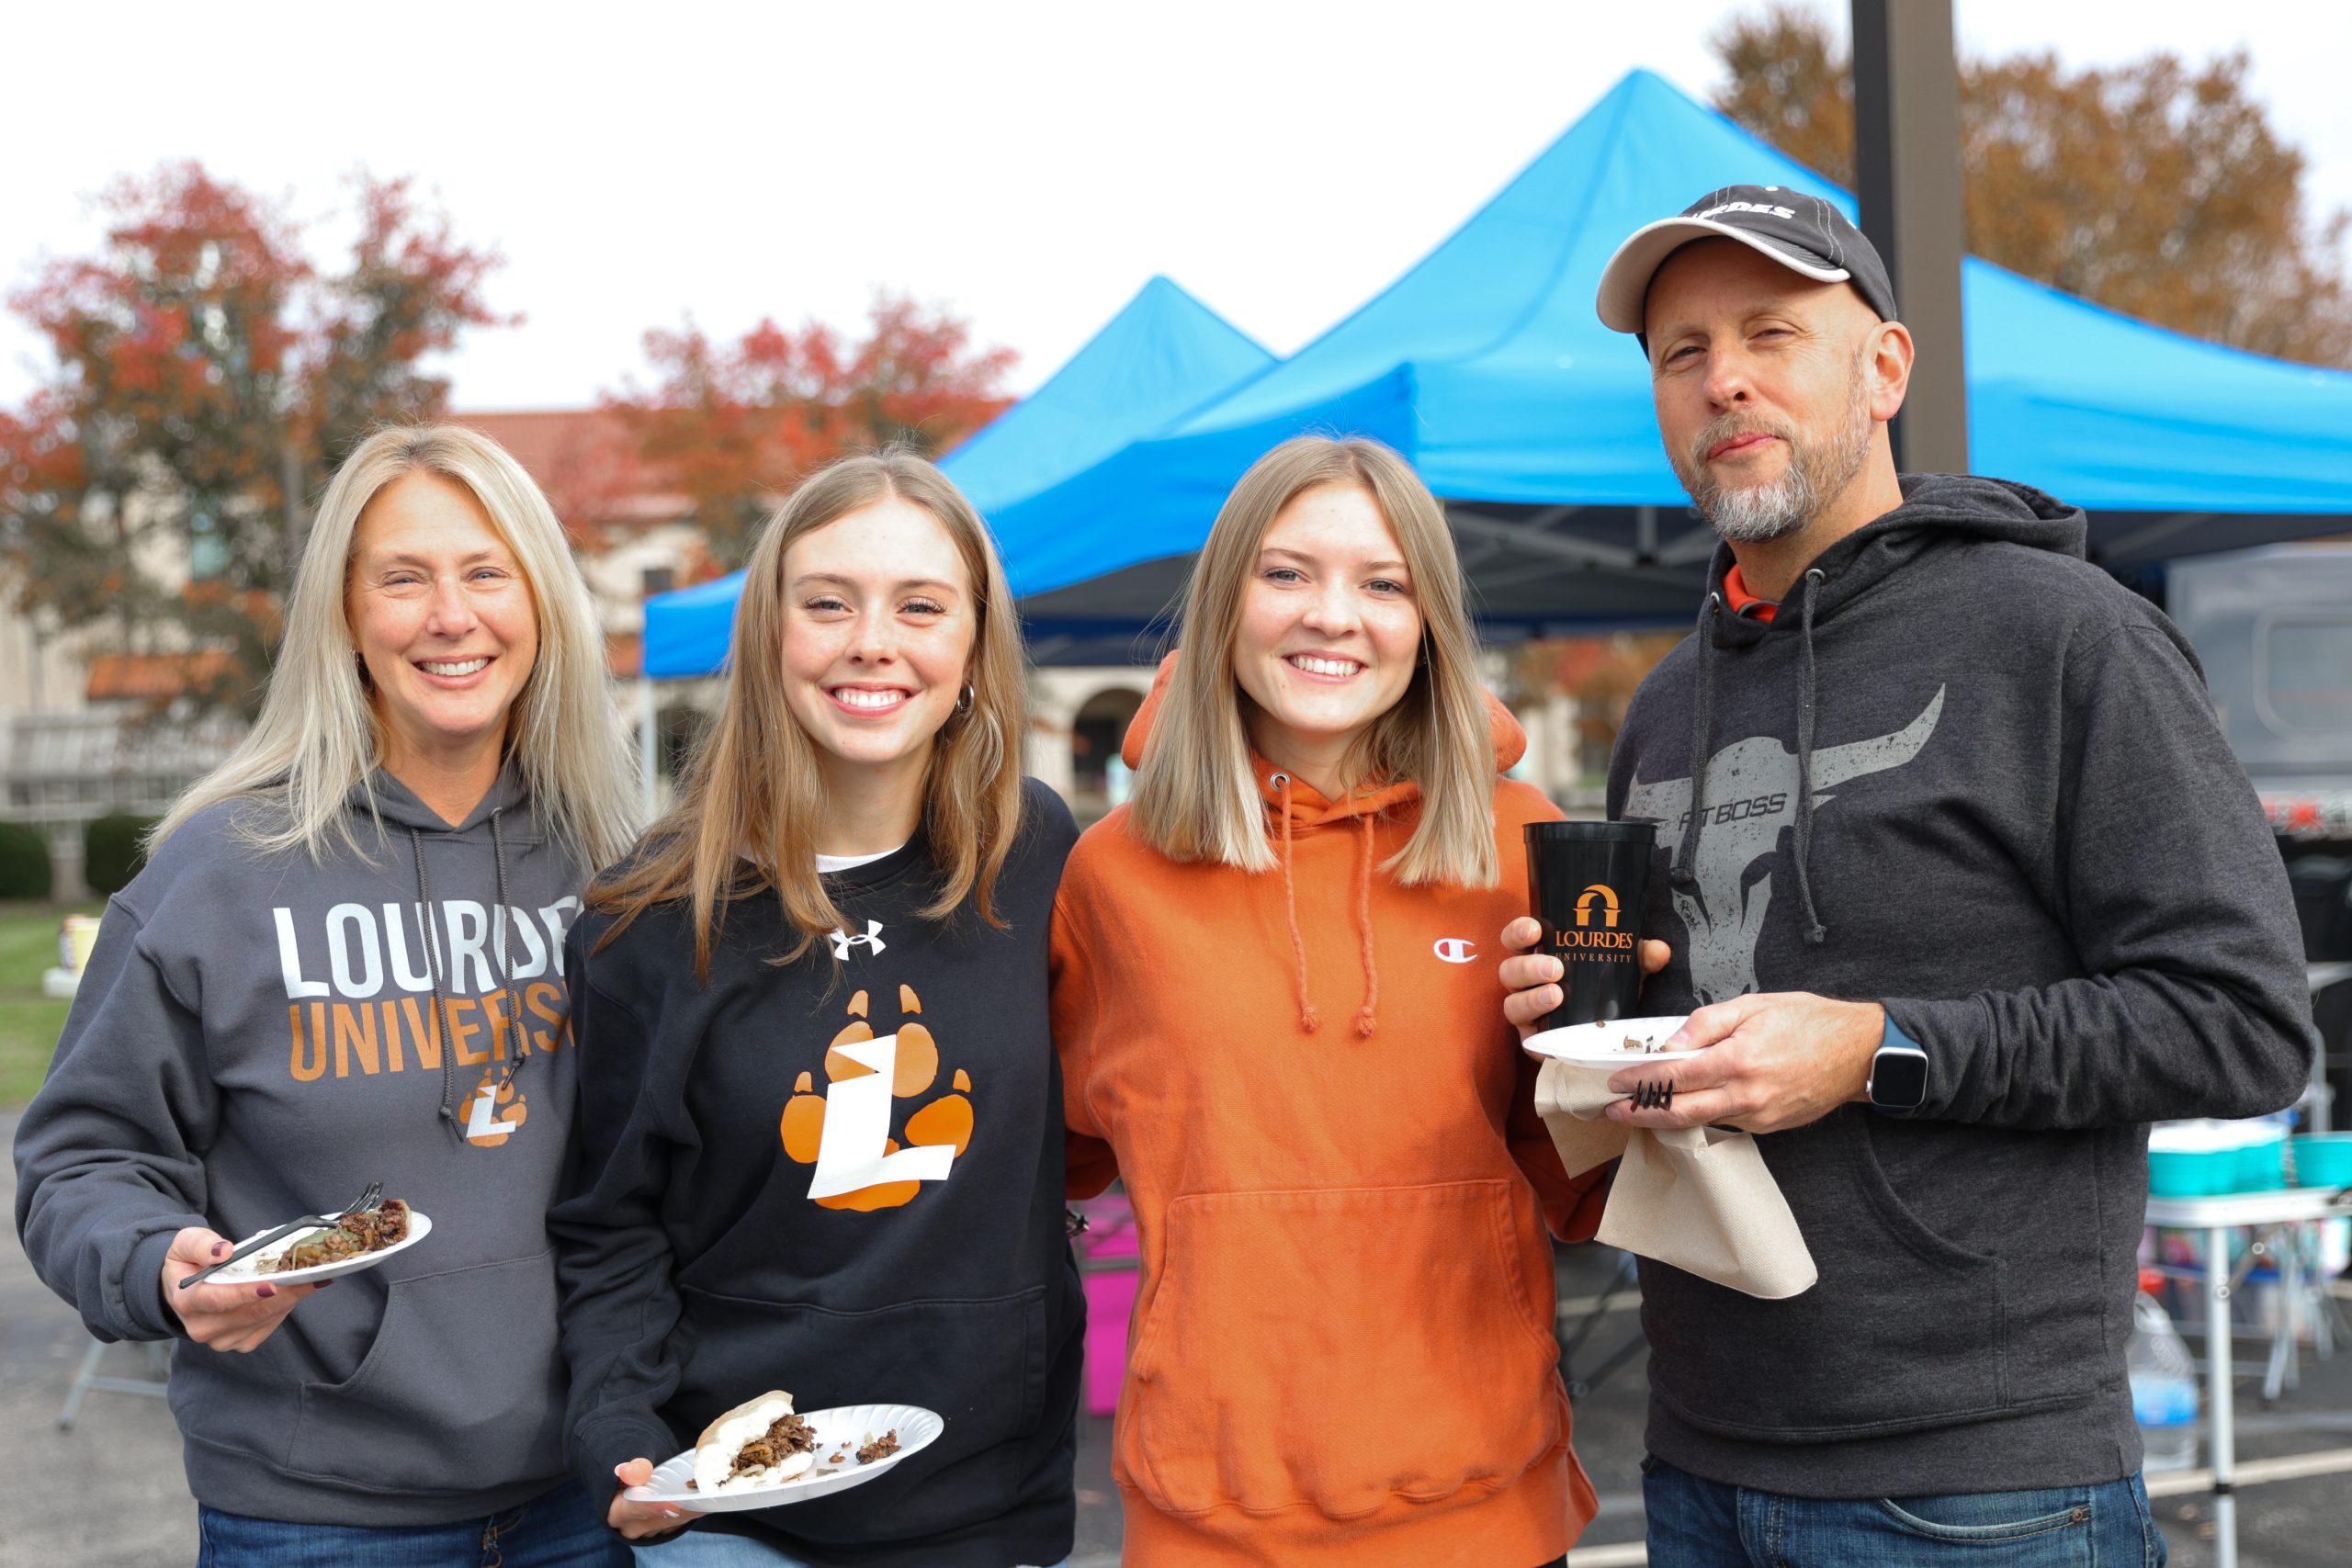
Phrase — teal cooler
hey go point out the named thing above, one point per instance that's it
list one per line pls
(2323, 1159)
(2192, 1173)
(2207, 1159)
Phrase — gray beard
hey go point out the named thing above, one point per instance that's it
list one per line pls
(1815, 474)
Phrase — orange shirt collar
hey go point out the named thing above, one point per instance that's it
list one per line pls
(1741, 602)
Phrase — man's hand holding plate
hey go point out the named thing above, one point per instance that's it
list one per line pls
(1766, 1062)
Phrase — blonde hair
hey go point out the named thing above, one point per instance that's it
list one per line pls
(318, 734)
(752, 797)
(1196, 796)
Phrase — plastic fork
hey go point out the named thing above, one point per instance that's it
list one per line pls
(368, 1202)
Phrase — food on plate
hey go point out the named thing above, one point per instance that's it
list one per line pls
(1646, 1045)
(759, 1443)
(356, 1235)
(875, 1448)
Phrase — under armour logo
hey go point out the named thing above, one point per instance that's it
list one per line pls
(1453, 950)
(872, 941)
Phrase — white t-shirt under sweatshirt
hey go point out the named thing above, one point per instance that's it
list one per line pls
(828, 865)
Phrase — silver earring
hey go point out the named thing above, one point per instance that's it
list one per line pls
(963, 701)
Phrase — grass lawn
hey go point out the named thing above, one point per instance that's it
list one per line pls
(30, 1022)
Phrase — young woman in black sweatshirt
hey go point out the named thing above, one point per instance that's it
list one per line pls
(819, 1146)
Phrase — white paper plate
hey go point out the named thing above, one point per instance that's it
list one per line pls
(841, 1430)
(1603, 1044)
(249, 1271)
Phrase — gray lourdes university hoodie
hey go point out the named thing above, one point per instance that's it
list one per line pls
(255, 1038)
(1967, 775)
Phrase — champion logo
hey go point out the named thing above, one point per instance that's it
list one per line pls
(1454, 950)
(872, 941)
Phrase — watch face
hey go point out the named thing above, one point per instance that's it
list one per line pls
(1899, 1079)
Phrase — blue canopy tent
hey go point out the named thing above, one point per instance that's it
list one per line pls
(1485, 365)
(1161, 357)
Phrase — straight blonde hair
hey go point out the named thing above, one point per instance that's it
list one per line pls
(1196, 795)
(748, 806)
(317, 736)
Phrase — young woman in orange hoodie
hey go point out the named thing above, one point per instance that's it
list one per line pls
(1274, 997)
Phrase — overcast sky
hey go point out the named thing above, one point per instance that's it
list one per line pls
(1028, 164)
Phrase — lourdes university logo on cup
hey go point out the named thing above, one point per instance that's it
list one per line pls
(1586, 882)
(1595, 934)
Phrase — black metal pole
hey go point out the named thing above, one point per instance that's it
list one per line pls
(1906, 168)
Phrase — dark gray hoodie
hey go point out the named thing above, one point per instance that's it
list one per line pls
(253, 1039)
(1968, 775)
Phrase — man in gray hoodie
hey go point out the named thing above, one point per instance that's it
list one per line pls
(1964, 889)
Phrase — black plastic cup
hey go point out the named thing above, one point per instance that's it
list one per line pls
(1588, 881)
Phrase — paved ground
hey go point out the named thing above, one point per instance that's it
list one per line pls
(109, 1494)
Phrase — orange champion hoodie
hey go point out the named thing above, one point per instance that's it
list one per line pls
(1342, 1348)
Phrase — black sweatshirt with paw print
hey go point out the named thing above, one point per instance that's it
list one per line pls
(840, 1177)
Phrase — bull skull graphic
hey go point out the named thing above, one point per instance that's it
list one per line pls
(1751, 795)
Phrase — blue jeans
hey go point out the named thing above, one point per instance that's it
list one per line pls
(556, 1530)
(1705, 1524)
(708, 1549)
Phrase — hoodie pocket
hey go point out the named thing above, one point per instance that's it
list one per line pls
(982, 1364)
(1906, 1329)
(1344, 1349)
(461, 1390)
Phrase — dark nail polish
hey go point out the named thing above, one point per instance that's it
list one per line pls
(265, 1290)
(219, 1247)
(324, 1283)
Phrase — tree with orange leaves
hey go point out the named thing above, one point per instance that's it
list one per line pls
(2153, 187)
(207, 378)
(733, 426)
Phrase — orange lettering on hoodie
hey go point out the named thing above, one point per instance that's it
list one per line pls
(545, 1000)
(463, 1029)
(494, 1008)
(427, 1037)
(318, 1066)
(360, 1036)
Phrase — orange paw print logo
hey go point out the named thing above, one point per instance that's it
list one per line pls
(494, 1111)
(846, 1132)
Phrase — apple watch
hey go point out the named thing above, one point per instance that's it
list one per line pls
(1898, 1079)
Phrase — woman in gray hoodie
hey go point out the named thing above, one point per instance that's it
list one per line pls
(343, 964)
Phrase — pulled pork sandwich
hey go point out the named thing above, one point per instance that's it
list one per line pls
(358, 1234)
(759, 1443)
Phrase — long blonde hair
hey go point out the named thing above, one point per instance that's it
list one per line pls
(317, 736)
(752, 797)
(1196, 797)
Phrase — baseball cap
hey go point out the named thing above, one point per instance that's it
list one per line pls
(1803, 233)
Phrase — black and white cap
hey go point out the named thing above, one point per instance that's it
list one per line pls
(1803, 233)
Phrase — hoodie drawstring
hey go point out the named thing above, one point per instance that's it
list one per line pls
(432, 967)
(431, 928)
(1683, 874)
(1366, 1020)
(1308, 1018)
(1815, 934)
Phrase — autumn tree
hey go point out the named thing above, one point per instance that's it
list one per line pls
(732, 426)
(207, 378)
(2155, 189)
